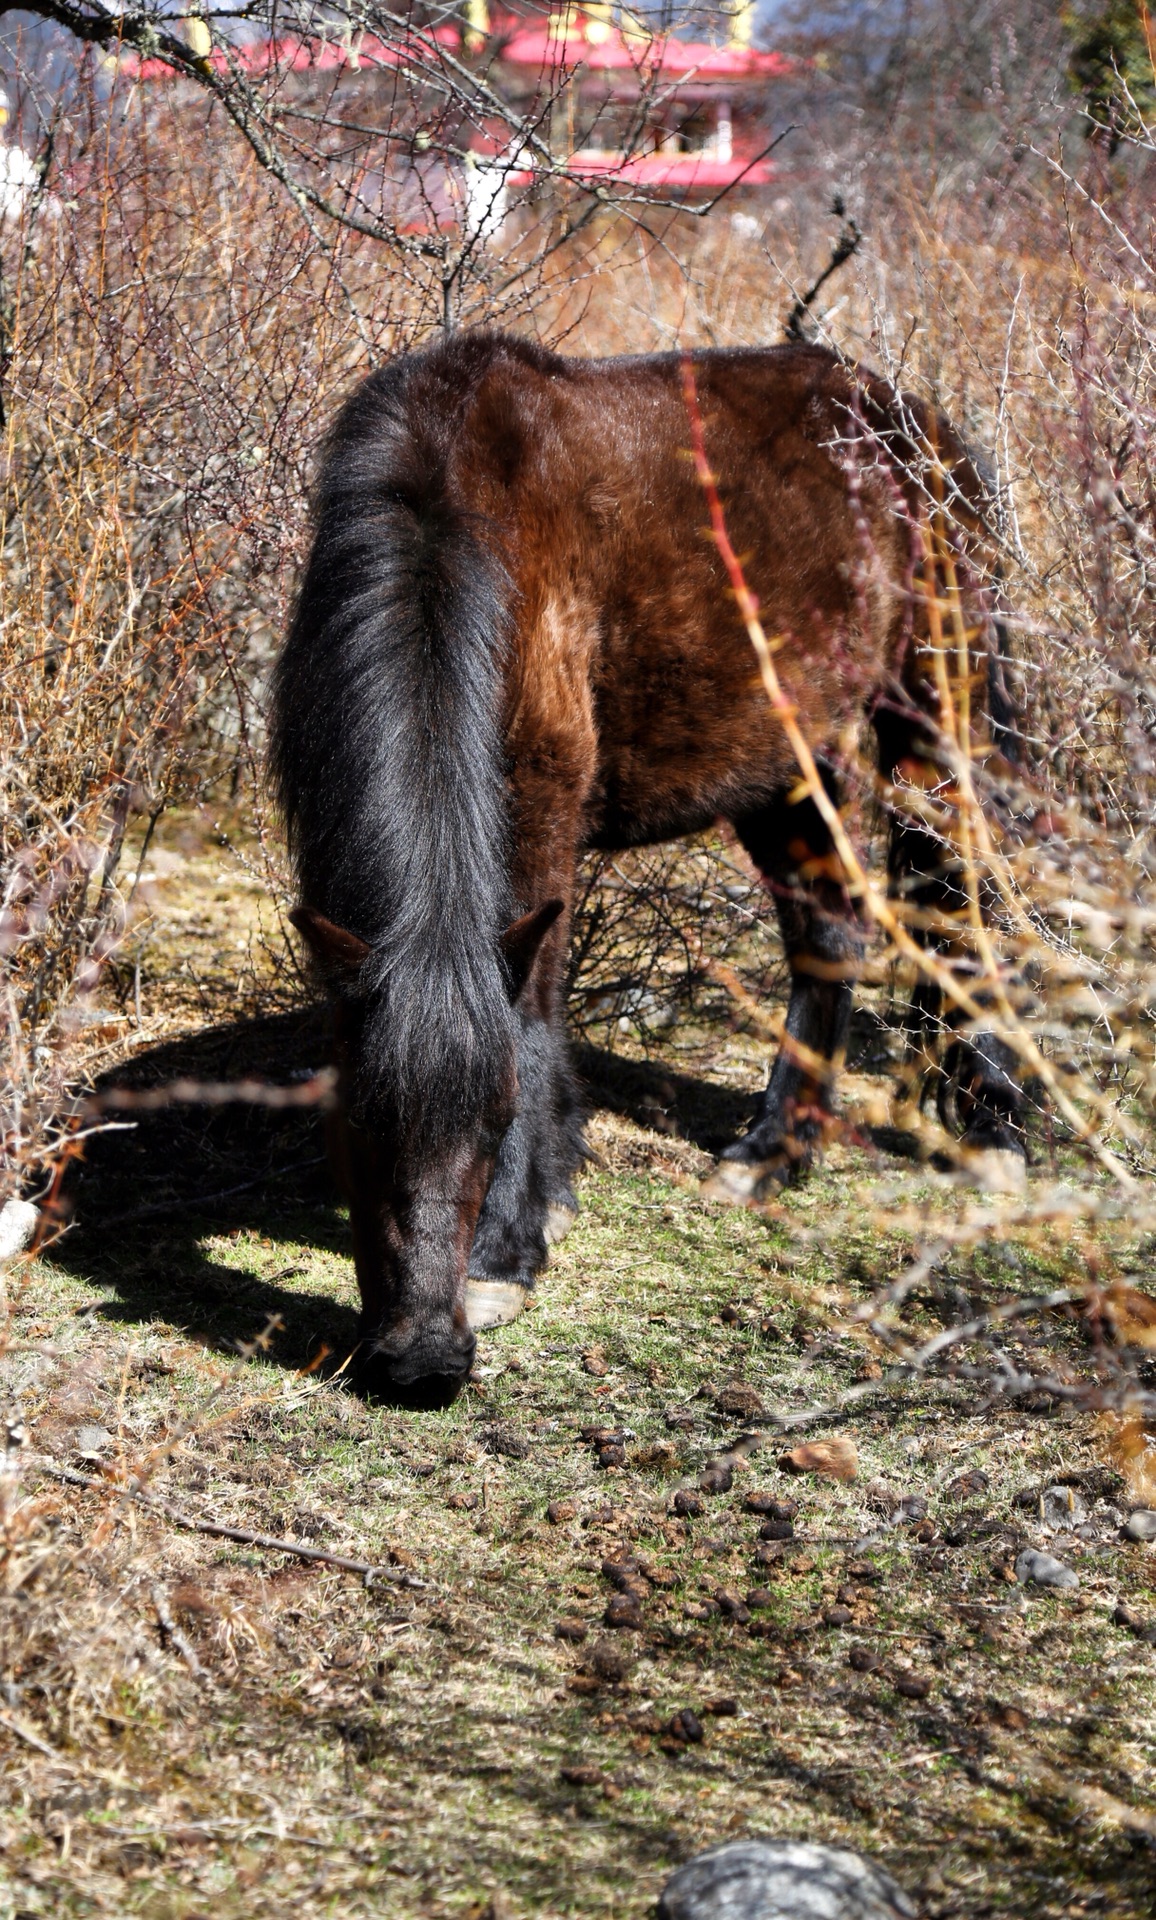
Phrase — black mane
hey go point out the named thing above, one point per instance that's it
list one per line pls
(385, 745)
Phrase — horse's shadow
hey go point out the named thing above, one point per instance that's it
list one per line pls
(153, 1192)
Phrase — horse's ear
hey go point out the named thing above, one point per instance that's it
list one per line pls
(521, 941)
(336, 951)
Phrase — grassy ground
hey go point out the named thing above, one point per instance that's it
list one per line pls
(227, 1731)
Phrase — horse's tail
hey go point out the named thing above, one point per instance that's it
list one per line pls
(386, 750)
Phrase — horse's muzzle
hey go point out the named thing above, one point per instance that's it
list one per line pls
(428, 1369)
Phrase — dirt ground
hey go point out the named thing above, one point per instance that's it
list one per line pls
(194, 1727)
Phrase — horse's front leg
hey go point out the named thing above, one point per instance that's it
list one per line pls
(791, 846)
(530, 1202)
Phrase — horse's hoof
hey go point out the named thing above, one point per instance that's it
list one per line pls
(738, 1183)
(993, 1169)
(559, 1220)
(493, 1303)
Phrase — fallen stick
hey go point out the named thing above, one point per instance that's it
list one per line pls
(244, 1536)
(33, 1739)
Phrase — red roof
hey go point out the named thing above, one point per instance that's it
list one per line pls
(532, 46)
(536, 47)
(658, 170)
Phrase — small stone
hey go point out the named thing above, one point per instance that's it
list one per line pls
(581, 1776)
(912, 1686)
(777, 1530)
(837, 1617)
(622, 1611)
(1043, 1570)
(462, 1502)
(863, 1660)
(1141, 1525)
(760, 1597)
(560, 1511)
(19, 1220)
(91, 1442)
(740, 1401)
(610, 1662)
(782, 1880)
(685, 1725)
(968, 1486)
(718, 1478)
(687, 1503)
(612, 1456)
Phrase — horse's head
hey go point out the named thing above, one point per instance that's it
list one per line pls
(415, 1173)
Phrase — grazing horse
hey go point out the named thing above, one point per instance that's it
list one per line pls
(511, 643)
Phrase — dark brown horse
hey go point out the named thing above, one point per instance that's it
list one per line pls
(511, 643)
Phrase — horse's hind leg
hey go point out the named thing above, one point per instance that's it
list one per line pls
(791, 846)
(530, 1202)
(979, 1096)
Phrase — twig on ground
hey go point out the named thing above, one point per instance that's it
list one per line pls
(244, 1536)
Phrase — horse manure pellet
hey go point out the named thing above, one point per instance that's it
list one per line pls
(758, 1500)
(837, 1617)
(863, 1660)
(966, 1486)
(910, 1506)
(559, 1511)
(729, 1603)
(912, 1686)
(679, 1419)
(767, 1555)
(760, 1597)
(657, 1576)
(462, 1502)
(1143, 1629)
(583, 1683)
(1141, 1525)
(581, 1776)
(721, 1709)
(622, 1610)
(611, 1663)
(1043, 1570)
(570, 1629)
(612, 1456)
(716, 1479)
(777, 1530)
(685, 1725)
(687, 1503)
(741, 1401)
(730, 1315)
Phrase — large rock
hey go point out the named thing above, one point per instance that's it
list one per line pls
(782, 1880)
